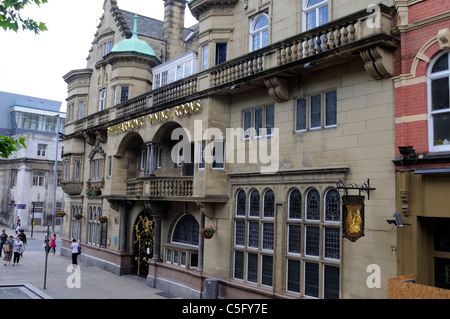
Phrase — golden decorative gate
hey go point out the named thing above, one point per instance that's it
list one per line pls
(143, 243)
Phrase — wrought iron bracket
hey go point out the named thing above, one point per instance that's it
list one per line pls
(365, 187)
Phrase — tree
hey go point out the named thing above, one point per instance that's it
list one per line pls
(9, 145)
(11, 19)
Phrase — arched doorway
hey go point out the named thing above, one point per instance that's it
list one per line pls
(143, 243)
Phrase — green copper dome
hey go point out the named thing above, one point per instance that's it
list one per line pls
(133, 44)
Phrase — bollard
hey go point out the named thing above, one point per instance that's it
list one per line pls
(211, 288)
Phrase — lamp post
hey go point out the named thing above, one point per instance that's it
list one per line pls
(55, 173)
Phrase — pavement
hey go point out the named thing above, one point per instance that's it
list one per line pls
(38, 276)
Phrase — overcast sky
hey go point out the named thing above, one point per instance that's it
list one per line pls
(34, 64)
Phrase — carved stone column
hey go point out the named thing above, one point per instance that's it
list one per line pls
(158, 211)
(123, 230)
(150, 161)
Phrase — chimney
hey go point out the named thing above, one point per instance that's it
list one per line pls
(174, 27)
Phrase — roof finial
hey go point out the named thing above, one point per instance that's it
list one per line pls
(135, 25)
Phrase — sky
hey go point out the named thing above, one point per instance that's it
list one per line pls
(34, 65)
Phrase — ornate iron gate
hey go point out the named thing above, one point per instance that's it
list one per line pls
(143, 243)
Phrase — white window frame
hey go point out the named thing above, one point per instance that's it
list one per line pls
(260, 31)
(102, 99)
(315, 8)
(431, 113)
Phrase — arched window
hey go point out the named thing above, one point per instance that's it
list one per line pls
(254, 204)
(313, 205)
(438, 103)
(259, 32)
(186, 231)
(295, 204)
(269, 204)
(315, 13)
(332, 206)
(240, 203)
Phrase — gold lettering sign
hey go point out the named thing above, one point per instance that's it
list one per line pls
(157, 117)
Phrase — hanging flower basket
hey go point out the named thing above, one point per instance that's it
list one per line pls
(93, 191)
(61, 214)
(207, 232)
(102, 219)
(78, 216)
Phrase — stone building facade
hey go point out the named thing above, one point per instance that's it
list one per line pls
(291, 107)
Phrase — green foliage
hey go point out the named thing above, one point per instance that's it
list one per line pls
(9, 145)
(11, 19)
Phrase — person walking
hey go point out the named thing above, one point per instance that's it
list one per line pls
(8, 250)
(75, 252)
(53, 243)
(3, 238)
(23, 238)
(18, 250)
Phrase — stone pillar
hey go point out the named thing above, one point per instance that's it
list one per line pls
(157, 239)
(123, 231)
(201, 244)
(173, 30)
(150, 160)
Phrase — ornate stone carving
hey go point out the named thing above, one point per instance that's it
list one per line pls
(443, 37)
(278, 88)
(379, 62)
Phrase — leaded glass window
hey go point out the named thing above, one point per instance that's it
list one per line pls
(239, 265)
(240, 203)
(267, 270)
(313, 205)
(186, 231)
(295, 205)
(312, 279)
(254, 204)
(312, 243)
(252, 267)
(333, 206)
(269, 204)
(239, 239)
(331, 282)
(267, 238)
(294, 239)
(332, 242)
(293, 275)
(253, 234)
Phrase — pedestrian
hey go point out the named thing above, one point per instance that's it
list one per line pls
(53, 243)
(8, 249)
(3, 238)
(75, 252)
(23, 238)
(18, 250)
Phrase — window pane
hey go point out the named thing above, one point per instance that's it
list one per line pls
(440, 94)
(332, 243)
(323, 15)
(441, 64)
(313, 205)
(331, 285)
(311, 20)
(300, 118)
(312, 245)
(294, 238)
(262, 22)
(295, 205)
(267, 270)
(441, 128)
(221, 53)
(186, 231)
(330, 109)
(314, 2)
(239, 265)
(254, 204)
(293, 276)
(247, 122)
(240, 203)
(315, 111)
(333, 206)
(239, 239)
(267, 240)
(269, 204)
(258, 121)
(270, 119)
(253, 234)
(252, 267)
(312, 279)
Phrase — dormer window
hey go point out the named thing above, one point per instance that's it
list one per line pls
(106, 47)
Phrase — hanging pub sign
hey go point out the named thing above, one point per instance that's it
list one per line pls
(353, 217)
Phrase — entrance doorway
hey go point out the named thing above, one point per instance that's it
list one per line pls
(143, 243)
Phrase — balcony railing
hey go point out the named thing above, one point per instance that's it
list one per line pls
(161, 187)
(350, 33)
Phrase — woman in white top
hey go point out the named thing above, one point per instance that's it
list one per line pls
(75, 251)
(17, 249)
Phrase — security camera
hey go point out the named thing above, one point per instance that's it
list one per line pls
(397, 221)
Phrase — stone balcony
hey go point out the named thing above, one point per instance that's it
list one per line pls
(161, 187)
(358, 36)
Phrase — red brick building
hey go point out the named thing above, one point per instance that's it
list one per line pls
(422, 119)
